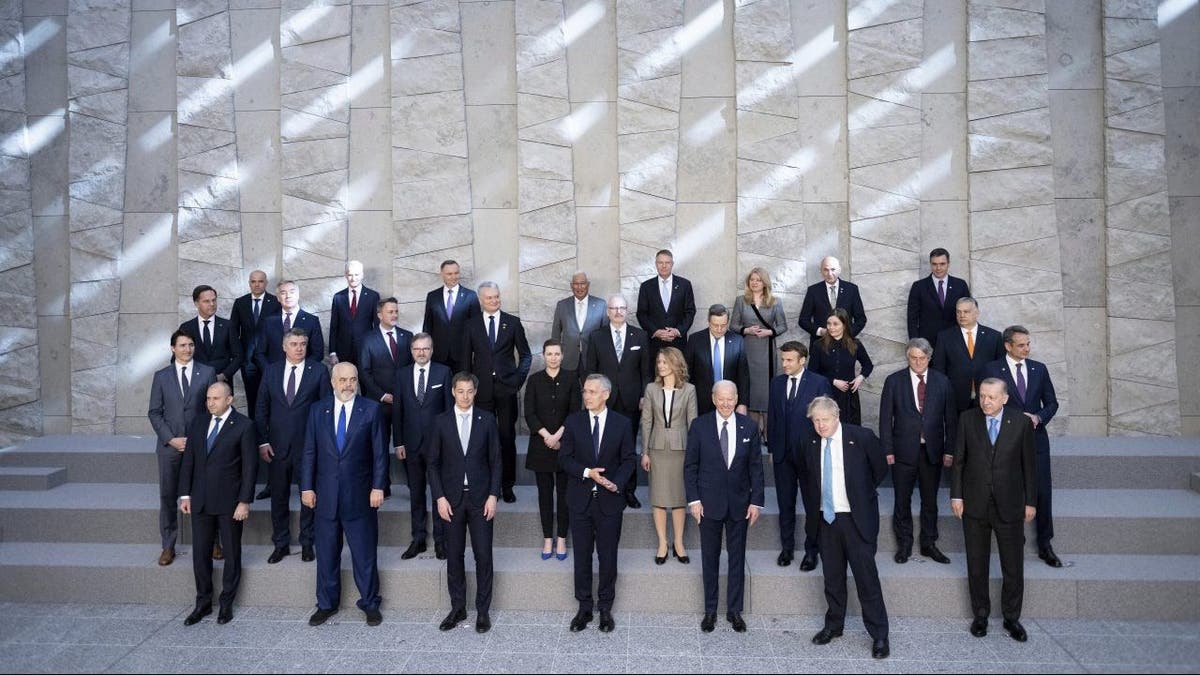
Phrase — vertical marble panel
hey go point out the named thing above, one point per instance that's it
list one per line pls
(1077, 137)
(706, 47)
(599, 246)
(489, 52)
(705, 236)
(496, 252)
(370, 160)
(492, 155)
(1179, 24)
(254, 46)
(46, 66)
(594, 153)
(370, 57)
(707, 150)
(819, 39)
(262, 242)
(944, 68)
(1073, 44)
(370, 241)
(591, 45)
(152, 60)
(258, 160)
(150, 185)
(150, 264)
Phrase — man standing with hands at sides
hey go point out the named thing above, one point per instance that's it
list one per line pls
(666, 308)
(447, 309)
(352, 315)
(962, 352)
(845, 464)
(290, 388)
(216, 487)
(575, 318)
(248, 313)
(216, 344)
(791, 392)
(270, 343)
(931, 301)
(464, 479)
(177, 397)
(994, 489)
(723, 477)
(827, 295)
(597, 455)
(917, 422)
(384, 350)
(345, 464)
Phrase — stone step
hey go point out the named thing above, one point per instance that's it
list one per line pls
(1196, 482)
(1096, 587)
(1086, 521)
(31, 477)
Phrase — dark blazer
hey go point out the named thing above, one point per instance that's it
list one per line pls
(865, 467)
(617, 458)
(283, 425)
(500, 371)
(246, 329)
(735, 366)
(447, 331)
(926, 316)
(630, 375)
(225, 354)
(950, 357)
(548, 401)
(376, 369)
(343, 481)
(792, 426)
(170, 413)
(1039, 394)
(270, 342)
(480, 462)
(723, 492)
(816, 309)
(838, 362)
(345, 333)
(1006, 471)
(567, 330)
(901, 427)
(411, 418)
(219, 480)
(651, 316)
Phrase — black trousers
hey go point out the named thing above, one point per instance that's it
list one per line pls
(786, 482)
(905, 477)
(504, 407)
(252, 378)
(842, 544)
(205, 529)
(710, 554)
(281, 472)
(169, 462)
(635, 423)
(467, 517)
(1010, 542)
(594, 530)
(552, 498)
(415, 466)
(1044, 520)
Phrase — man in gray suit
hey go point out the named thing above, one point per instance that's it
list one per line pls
(574, 318)
(177, 396)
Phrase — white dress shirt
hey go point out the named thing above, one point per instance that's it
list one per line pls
(731, 436)
(287, 372)
(191, 374)
(841, 503)
(581, 311)
(966, 333)
(486, 316)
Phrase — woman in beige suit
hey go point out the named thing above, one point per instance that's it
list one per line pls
(670, 407)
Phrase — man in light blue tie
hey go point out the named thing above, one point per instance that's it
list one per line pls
(716, 354)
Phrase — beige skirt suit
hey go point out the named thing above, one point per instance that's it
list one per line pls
(664, 433)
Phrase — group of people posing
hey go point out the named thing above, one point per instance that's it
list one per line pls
(445, 402)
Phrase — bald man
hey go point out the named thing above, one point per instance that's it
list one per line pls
(249, 311)
(827, 295)
(352, 316)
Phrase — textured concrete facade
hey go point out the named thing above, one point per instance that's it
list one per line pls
(147, 146)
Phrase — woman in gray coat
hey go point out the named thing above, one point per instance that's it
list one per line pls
(758, 317)
(668, 411)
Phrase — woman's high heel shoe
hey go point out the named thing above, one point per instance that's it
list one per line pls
(681, 558)
(563, 555)
(660, 559)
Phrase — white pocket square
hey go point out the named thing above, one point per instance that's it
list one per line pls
(745, 440)
(635, 348)
(436, 386)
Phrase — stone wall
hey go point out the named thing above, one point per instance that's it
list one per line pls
(150, 145)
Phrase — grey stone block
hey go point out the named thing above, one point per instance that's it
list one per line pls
(31, 478)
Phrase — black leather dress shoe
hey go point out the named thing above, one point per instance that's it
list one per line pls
(901, 556)
(374, 617)
(735, 619)
(809, 563)
(708, 623)
(320, 616)
(1048, 557)
(279, 554)
(509, 496)
(483, 623)
(581, 621)
(826, 635)
(452, 619)
(631, 501)
(606, 621)
(880, 649)
(979, 627)
(784, 559)
(225, 615)
(197, 614)
(307, 554)
(439, 551)
(931, 551)
(1015, 630)
(414, 549)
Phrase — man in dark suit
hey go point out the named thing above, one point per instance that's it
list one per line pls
(447, 309)
(216, 487)
(422, 392)
(177, 396)
(963, 351)
(1032, 393)
(216, 345)
(790, 393)
(628, 371)
(496, 351)
(247, 317)
(666, 306)
(289, 390)
(723, 480)
(827, 295)
(994, 489)
(464, 479)
(351, 316)
(597, 454)
(917, 421)
(845, 464)
(575, 318)
(270, 343)
(383, 352)
(715, 354)
(345, 464)
(931, 300)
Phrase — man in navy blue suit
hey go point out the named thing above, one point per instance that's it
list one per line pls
(464, 479)
(723, 480)
(345, 464)
(384, 350)
(931, 300)
(288, 391)
(447, 309)
(917, 421)
(963, 350)
(216, 345)
(821, 298)
(715, 354)
(422, 392)
(597, 454)
(1032, 393)
(270, 343)
(666, 306)
(791, 392)
(245, 321)
(351, 316)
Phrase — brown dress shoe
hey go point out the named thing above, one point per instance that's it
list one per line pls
(166, 557)
(218, 554)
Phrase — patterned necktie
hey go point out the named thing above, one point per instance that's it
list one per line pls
(942, 292)
(341, 430)
(618, 344)
(183, 380)
(827, 482)
(492, 329)
(353, 303)
(395, 349)
(291, 386)
(256, 309)
(421, 387)
(207, 335)
(1021, 382)
(993, 429)
(725, 442)
(212, 435)
(717, 362)
(287, 322)
(921, 393)
(596, 436)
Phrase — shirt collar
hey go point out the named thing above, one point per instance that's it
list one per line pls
(254, 297)
(349, 404)
(997, 416)
(732, 419)
(668, 281)
(212, 320)
(447, 289)
(1011, 363)
(469, 411)
(936, 278)
(486, 315)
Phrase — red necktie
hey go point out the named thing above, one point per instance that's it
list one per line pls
(353, 303)
(921, 393)
(394, 347)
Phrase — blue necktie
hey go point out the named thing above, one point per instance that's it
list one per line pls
(717, 361)
(341, 430)
(827, 482)
(596, 436)
(993, 429)
(492, 329)
(212, 436)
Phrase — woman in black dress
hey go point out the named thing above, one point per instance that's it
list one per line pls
(550, 395)
(834, 356)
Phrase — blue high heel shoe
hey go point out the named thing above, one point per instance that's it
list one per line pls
(563, 555)
(546, 556)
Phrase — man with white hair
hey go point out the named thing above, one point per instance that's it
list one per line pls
(352, 316)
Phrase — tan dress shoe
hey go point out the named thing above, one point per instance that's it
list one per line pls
(166, 557)
(218, 554)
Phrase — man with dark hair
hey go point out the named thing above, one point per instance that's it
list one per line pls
(384, 351)
(216, 344)
(447, 309)
(351, 316)
(931, 301)
(963, 351)
(666, 307)
(716, 354)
